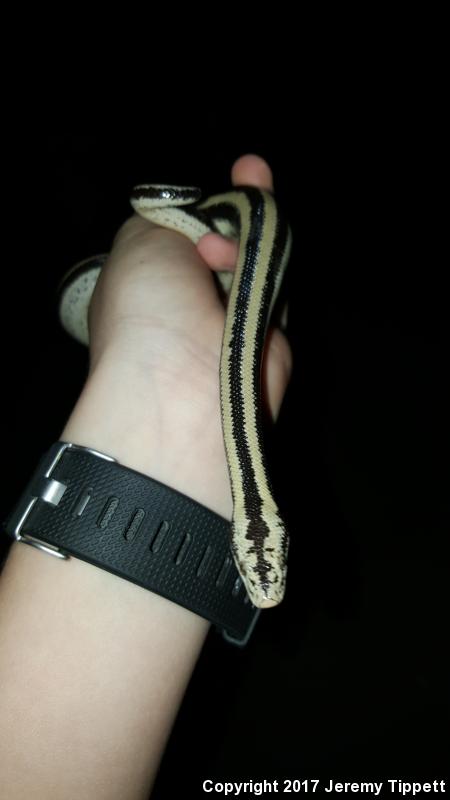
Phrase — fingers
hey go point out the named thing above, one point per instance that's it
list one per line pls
(217, 251)
(221, 253)
(252, 170)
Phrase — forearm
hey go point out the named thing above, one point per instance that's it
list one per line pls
(92, 667)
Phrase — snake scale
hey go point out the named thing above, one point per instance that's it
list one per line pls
(258, 538)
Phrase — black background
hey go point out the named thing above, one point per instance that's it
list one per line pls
(348, 678)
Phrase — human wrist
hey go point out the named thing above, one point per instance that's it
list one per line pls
(166, 428)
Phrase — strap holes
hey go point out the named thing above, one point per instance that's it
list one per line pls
(82, 501)
(236, 587)
(161, 534)
(202, 567)
(108, 512)
(134, 524)
(222, 576)
(182, 552)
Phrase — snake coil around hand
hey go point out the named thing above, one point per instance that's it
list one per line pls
(258, 540)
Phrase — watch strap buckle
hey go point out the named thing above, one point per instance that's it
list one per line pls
(42, 487)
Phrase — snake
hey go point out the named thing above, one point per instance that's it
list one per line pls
(259, 541)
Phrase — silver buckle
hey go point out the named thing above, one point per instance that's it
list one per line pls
(43, 487)
(244, 639)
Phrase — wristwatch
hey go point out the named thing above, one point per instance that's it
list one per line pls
(83, 503)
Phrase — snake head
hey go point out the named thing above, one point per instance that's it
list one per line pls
(259, 548)
(158, 195)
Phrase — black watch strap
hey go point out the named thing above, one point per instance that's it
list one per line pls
(84, 503)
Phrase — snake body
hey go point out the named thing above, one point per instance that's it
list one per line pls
(258, 540)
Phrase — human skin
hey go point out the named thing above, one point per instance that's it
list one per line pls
(93, 668)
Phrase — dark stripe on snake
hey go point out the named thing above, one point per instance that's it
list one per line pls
(224, 211)
(257, 529)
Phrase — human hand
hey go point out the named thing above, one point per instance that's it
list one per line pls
(155, 325)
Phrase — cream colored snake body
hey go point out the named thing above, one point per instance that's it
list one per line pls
(258, 540)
